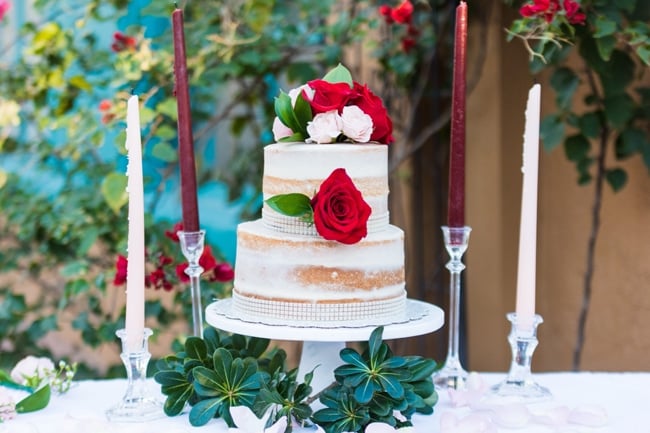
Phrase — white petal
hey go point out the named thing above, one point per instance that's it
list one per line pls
(593, 416)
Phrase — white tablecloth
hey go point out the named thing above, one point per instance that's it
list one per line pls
(625, 397)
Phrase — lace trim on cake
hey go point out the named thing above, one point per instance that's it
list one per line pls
(369, 312)
(293, 225)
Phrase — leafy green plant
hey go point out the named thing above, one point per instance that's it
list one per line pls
(218, 371)
(610, 41)
(374, 384)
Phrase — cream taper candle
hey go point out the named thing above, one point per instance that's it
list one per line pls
(525, 308)
(135, 246)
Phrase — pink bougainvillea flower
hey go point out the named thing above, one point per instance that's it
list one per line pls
(4, 7)
(173, 233)
(403, 13)
(120, 270)
(573, 13)
(207, 260)
(180, 273)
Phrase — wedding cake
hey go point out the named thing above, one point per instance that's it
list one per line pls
(323, 250)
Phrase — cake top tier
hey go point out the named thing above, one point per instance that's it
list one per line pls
(299, 168)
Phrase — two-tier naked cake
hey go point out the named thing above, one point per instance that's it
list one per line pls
(285, 269)
(324, 250)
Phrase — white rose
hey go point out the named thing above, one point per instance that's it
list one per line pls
(357, 125)
(31, 367)
(280, 130)
(293, 93)
(325, 127)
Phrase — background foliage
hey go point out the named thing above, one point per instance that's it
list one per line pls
(63, 219)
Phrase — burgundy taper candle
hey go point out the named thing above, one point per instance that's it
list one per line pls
(456, 199)
(185, 139)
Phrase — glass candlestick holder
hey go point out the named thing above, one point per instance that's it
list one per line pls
(519, 385)
(452, 374)
(136, 405)
(192, 244)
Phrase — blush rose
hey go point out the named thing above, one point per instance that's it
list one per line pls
(340, 213)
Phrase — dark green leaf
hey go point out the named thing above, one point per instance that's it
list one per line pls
(565, 82)
(616, 178)
(619, 109)
(375, 341)
(284, 111)
(364, 392)
(207, 383)
(589, 124)
(351, 356)
(629, 142)
(164, 151)
(204, 411)
(195, 348)
(604, 27)
(391, 385)
(606, 46)
(576, 147)
(302, 111)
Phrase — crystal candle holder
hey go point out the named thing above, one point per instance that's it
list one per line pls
(519, 384)
(136, 405)
(192, 244)
(452, 374)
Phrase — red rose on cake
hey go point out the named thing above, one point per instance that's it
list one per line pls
(337, 210)
(332, 109)
(340, 213)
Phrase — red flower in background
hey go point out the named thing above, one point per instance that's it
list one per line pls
(4, 7)
(173, 233)
(407, 44)
(403, 13)
(105, 107)
(120, 270)
(543, 8)
(123, 42)
(222, 273)
(573, 13)
(386, 11)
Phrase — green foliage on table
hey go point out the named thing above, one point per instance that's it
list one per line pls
(372, 385)
(219, 370)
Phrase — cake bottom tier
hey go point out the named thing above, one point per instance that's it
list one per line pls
(306, 278)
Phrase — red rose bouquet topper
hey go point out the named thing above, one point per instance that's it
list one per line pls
(332, 109)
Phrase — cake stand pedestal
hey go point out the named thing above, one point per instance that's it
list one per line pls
(323, 342)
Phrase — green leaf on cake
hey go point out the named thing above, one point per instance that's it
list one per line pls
(293, 205)
(340, 74)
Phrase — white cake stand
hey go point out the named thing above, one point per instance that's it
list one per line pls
(323, 342)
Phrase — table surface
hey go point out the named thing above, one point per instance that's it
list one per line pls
(624, 396)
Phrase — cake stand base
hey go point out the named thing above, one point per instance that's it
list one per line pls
(321, 345)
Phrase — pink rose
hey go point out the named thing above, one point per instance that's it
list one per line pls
(357, 125)
(324, 127)
(280, 130)
(340, 213)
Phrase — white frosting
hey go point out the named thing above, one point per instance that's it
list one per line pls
(267, 263)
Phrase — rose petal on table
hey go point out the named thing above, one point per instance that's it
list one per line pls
(589, 415)
(554, 416)
(511, 415)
